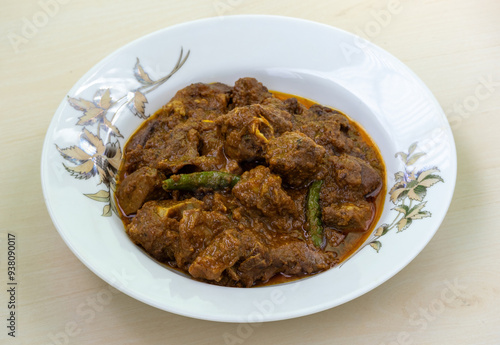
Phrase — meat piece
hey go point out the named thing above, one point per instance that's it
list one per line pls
(156, 227)
(280, 120)
(246, 130)
(137, 188)
(245, 134)
(356, 174)
(140, 157)
(211, 150)
(296, 257)
(351, 180)
(329, 128)
(167, 150)
(334, 237)
(223, 252)
(180, 148)
(142, 135)
(293, 106)
(207, 97)
(249, 91)
(323, 111)
(196, 230)
(329, 134)
(195, 102)
(296, 157)
(261, 190)
(290, 105)
(260, 258)
(175, 208)
(349, 217)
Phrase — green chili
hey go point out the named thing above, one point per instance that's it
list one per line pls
(313, 213)
(206, 179)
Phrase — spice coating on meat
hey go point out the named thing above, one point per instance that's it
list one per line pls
(245, 133)
(296, 157)
(260, 189)
(139, 187)
(258, 259)
(249, 91)
(254, 228)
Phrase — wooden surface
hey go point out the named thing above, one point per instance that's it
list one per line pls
(450, 294)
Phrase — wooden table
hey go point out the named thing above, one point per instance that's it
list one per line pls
(454, 46)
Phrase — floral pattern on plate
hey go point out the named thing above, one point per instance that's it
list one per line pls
(99, 151)
(408, 194)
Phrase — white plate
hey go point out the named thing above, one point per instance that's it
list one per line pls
(316, 61)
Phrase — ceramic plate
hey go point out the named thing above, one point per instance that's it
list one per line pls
(84, 143)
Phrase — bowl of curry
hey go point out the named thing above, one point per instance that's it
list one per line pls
(248, 169)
